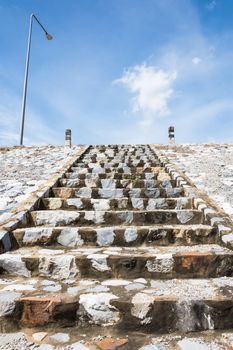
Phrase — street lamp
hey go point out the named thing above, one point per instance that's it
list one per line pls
(49, 37)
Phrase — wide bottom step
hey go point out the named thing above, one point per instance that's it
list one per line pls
(149, 305)
(98, 338)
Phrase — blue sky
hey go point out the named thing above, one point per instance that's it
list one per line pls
(118, 71)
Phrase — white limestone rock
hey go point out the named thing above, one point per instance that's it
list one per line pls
(194, 344)
(115, 282)
(130, 234)
(99, 309)
(99, 262)
(126, 217)
(53, 288)
(184, 216)
(19, 287)
(108, 183)
(14, 264)
(181, 203)
(156, 203)
(135, 193)
(70, 237)
(60, 337)
(84, 192)
(97, 217)
(105, 236)
(142, 305)
(111, 193)
(7, 302)
(58, 267)
(137, 203)
(36, 234)
(75, 202)
(39, 336)
(98, 170)
(55, 203)
(55, 218)
(227, 238)
(100, 204)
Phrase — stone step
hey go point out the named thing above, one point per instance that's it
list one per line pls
(123, 217)
(199, 261)
(87, 192)
(116, 176)
(131, 160)
(117, 204)
(117, 165)
(146, 305)
(119, 170)
(112, 183)
(111, 338)
(155, 235)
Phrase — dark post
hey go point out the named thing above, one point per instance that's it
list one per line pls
(68, 138)
(171, 135)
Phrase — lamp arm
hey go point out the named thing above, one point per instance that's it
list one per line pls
(34, 16)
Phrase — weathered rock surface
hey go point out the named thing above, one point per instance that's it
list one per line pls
(120, 249)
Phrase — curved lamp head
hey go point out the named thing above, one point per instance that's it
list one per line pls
(48, 36)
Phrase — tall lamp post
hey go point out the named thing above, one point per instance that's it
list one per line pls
(49, 37)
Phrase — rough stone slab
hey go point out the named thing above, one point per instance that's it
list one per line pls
(86, 192)
(129, 303)
(117, 203)
(139, 217)
(114, 183)
(121, 236)
(150, 262)
(75, 174)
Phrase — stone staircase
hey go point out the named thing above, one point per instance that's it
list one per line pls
(117, 243)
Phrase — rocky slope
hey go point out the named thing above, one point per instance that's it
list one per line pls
(209, 166)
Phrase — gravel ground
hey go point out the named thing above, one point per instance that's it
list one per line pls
(210, 167)
(24, 170)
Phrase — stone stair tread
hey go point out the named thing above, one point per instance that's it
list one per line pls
(138, 227)
(115, 235)
(87, 192)
(116, 302)
(176, 289)
(121, 170)
(73, 174)
(117, 184)
(115, 217)
(198, 261)
(117, 203)
(118, 165)
(198, 249)
(96, 339)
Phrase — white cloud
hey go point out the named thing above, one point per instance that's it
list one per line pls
(211, 5)
(152, 89)
(196, 60)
